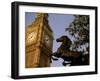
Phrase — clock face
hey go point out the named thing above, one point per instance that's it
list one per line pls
(31, 37)
(47, 40)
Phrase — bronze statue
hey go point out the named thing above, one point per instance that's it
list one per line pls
(66, 54)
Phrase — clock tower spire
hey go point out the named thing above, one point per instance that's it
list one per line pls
(38, 42)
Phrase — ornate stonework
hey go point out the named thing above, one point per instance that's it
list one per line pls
(38, 42)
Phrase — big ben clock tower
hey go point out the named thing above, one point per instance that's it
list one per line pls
(38, 42)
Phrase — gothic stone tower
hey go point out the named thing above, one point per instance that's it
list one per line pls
(38, 42)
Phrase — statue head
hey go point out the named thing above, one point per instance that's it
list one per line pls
(65, 41)
(62, 38)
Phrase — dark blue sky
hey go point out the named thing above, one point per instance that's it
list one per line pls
(58, 23)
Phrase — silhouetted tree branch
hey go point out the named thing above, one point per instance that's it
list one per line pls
(79, 29)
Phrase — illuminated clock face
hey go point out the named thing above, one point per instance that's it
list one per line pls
(31, 37)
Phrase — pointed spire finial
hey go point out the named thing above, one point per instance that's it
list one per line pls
(40, 15)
